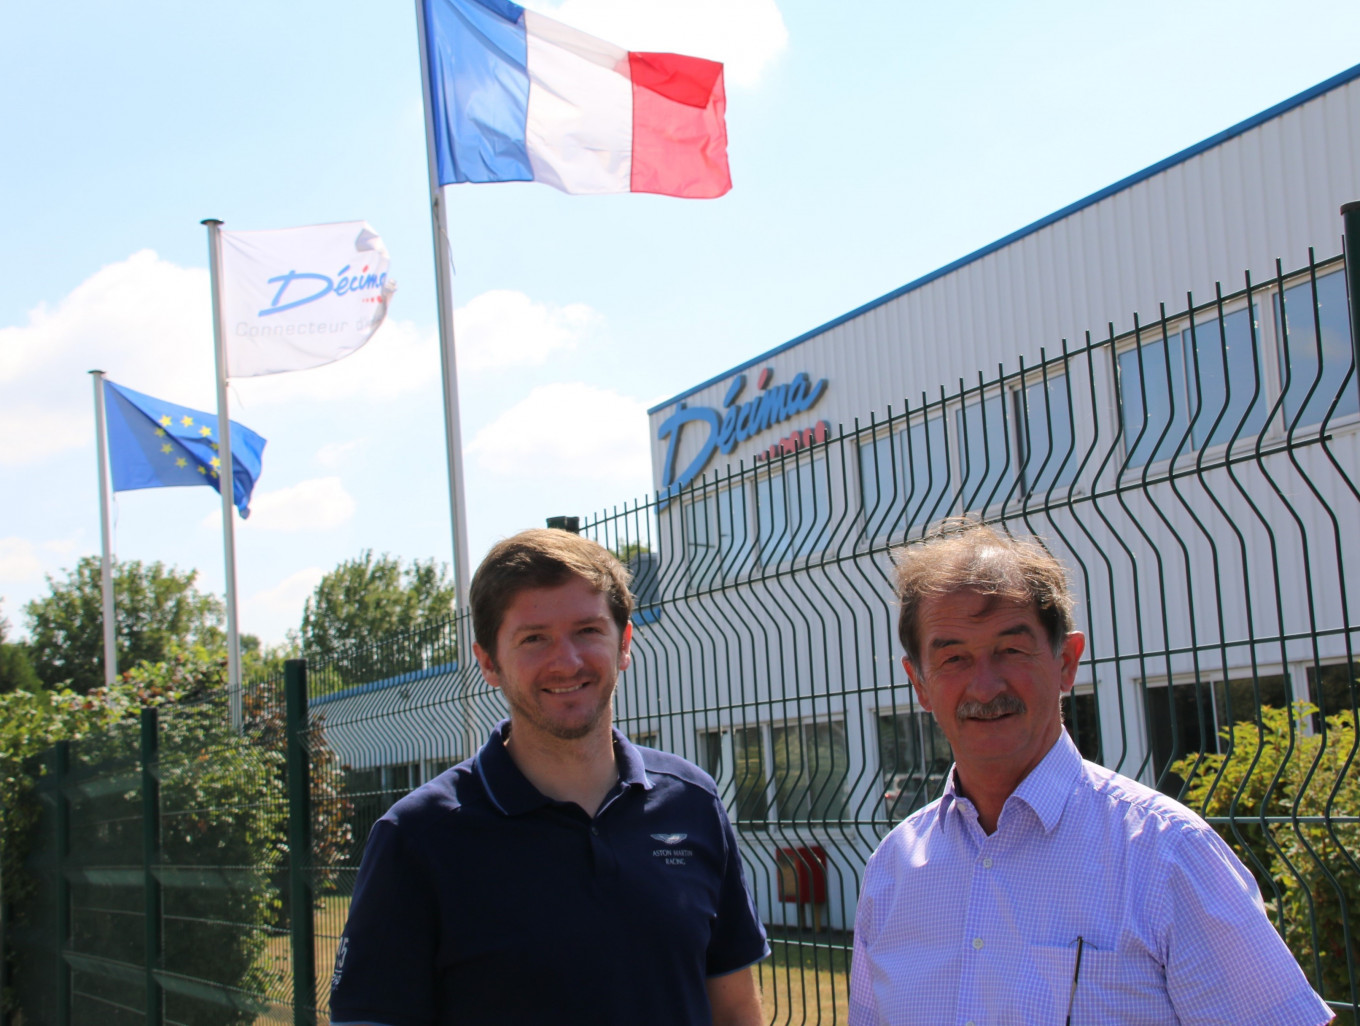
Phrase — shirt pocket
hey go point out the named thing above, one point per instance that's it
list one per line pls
(1112, 987)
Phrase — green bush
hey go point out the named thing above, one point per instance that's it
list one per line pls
(1308, 869)
(223, 832)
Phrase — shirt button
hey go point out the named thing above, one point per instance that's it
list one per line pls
(977, 943)
(986, 863)
(970, 1022)
(595, 830)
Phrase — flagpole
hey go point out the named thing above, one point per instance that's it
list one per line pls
(225, 479)
(443, 263)
(105, 535)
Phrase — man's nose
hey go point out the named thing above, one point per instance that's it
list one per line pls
(988, 681)
(566, 656)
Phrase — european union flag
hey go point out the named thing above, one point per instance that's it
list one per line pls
(156, 444)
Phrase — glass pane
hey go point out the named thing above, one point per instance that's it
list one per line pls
(772, 519)
(1081, 716)
(809, 489)
(790, 780)
(1237, 701)
(1231, 388)
(984, 453)
(1180, 721)
(828, 760)
(1157, 407)
(701, 542)
(913, 757)
(1049, 456)
(752, 804)
(878, 461)
(1299, 353)
(927, 471)
(1334, 689)
(734, 530)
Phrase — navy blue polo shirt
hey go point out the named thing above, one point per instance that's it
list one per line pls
(481, 901)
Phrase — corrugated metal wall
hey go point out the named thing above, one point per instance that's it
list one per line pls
(1270, 192)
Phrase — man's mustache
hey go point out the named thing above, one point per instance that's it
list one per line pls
(1001, 705)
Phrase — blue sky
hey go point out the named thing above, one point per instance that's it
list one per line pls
(869, 144)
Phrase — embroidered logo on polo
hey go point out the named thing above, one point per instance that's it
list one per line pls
(674, 856)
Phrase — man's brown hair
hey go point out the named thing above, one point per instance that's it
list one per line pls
(543, 558)
(963, 554)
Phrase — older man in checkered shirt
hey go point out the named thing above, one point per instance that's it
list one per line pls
(1041, 888)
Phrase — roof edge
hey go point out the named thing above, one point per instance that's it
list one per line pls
(1269, 114)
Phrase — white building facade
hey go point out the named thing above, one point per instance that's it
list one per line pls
(1194, 464)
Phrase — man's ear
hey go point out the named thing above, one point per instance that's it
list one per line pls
(1070, 657)
(488, 665)
(625, 646)
(922, 697)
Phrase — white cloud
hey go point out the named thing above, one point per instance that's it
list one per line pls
(334, 454)
(567, 430)
(503, 328)
(746, 35)
(145, 322)
(319, 504)
(19, 561)
(282, 604)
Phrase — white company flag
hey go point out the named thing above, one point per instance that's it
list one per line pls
(296, 298)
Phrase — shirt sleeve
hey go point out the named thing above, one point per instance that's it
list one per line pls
(738, 938)
(384, 965)
(1224, 960)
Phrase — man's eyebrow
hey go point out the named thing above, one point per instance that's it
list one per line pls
(1019, 628)
(531, 627)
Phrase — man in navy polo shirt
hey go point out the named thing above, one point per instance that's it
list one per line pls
(561, 875)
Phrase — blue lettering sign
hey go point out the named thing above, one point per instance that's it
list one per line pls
(339, 285)
(740, 421)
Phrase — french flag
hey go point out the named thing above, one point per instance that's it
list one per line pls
(517, 97)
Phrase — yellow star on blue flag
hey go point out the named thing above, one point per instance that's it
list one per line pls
(158, 444)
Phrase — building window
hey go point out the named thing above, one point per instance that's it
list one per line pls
(811, 763)
(914, 757)
(1081, 717)
(1187, 718)
(736, 760)
(1315, 365)
(717, 536)
(1211, 372)
(646, 739)
(904, 477)
(1334, 689)
(793, 509)
(984, 453)
(1043, 415)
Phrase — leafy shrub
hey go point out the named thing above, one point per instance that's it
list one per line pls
(1307, 865)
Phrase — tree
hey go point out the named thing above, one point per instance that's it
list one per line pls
(368, 600)
(157, 607)
(16, 673)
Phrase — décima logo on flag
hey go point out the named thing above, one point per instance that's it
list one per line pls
(301, 297)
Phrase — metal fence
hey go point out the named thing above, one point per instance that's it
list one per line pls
(1198, 477)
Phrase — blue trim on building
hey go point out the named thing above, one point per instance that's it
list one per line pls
(385, 683)
(1124, 183)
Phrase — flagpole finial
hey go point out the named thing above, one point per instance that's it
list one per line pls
(95, 372)
(212, 220)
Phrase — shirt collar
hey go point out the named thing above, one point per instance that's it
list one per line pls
(510, 790)
(1049, 784)
(1045, 790)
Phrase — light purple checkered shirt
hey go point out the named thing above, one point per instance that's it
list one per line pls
(956, 928)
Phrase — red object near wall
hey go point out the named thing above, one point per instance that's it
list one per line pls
(802, 874)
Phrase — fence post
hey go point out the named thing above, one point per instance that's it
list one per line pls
(61, 764)
(301, 905)
(151, 858)
(1350, 221)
